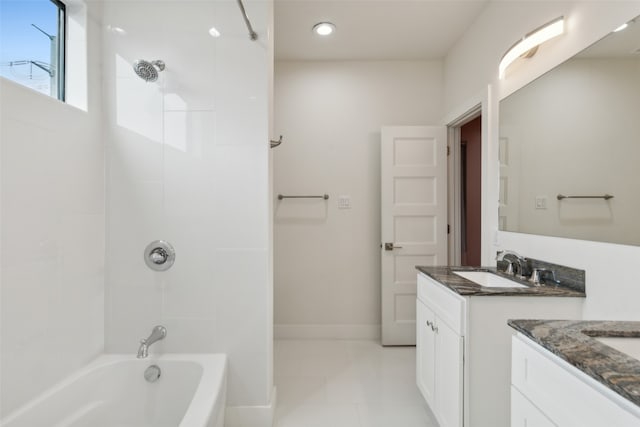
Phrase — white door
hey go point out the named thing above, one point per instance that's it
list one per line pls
(414, 220)
(509, 155)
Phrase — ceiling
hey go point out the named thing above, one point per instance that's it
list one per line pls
(372, 29)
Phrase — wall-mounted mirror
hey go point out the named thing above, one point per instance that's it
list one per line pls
(575, 131)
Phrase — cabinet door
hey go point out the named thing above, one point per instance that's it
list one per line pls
(425, 352)
(449, 375)
(524, 414)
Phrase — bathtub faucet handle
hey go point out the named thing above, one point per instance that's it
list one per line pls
(158, 333)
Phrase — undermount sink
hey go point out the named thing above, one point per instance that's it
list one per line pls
(627, 345)
(489, 279)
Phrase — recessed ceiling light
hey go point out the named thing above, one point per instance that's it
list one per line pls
(621, 27)
(324, 28)
(214, 32)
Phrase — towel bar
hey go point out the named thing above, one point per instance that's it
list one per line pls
(606, 197)
(324, 196)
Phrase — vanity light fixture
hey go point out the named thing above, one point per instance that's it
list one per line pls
(528, 45)
(324, 28)
(624, 26)
(621, 27)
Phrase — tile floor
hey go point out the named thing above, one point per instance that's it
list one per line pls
(326, 383)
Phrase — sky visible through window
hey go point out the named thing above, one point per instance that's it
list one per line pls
(25, 50)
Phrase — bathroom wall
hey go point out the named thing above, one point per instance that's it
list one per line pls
(188, 162)
(611, 290)
(52, 227)
(327, 260)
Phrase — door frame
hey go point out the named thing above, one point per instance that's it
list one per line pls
(454, 178)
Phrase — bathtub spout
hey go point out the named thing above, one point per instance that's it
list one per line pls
(158, 333)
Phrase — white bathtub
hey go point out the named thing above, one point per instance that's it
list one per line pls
(112, 392)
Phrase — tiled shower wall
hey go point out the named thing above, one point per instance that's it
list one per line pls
(52, 228)
(188, 162)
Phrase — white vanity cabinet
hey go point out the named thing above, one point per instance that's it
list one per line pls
(426, 353)
(463, 350)
(440, 352)
(547, 391)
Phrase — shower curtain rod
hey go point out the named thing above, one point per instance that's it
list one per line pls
(252, 34)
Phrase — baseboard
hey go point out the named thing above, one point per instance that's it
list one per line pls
(251, 416)
(338, 332)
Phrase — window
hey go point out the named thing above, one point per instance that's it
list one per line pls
(32, 36)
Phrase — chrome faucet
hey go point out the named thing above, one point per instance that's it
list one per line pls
(537, 276)
(519, 259)
(158, 333)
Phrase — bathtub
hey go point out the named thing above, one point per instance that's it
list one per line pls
(112, 392)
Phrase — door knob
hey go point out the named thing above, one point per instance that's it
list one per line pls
(391, 246)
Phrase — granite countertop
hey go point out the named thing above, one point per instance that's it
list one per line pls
(574, 341)
(462, 286)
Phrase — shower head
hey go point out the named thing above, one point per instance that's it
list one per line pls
(148, 71)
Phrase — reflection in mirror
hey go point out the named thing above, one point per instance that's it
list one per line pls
(575, 131)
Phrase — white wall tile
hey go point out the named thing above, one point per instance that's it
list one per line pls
(241, 193)
(188, 163)
(132, 312)
(52, 202)
(190, 76)
(182, 300)
(191, 335)
(139, 107)
(243, 324)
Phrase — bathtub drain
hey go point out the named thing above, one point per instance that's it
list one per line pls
(152, 373)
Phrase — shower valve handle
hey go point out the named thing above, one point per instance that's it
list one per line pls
(159, 256)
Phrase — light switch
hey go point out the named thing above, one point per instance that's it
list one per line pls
(344, 202)
(541, 202)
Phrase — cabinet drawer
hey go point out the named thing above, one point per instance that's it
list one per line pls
(525, 414)
(447, 305)
(566, 395)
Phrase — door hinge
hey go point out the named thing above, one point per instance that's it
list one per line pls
(448, 229)
(448, 150)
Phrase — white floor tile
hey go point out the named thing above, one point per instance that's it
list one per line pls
(327, 383)
(318, 416)
(383, 415)
(301, 391)
(310, 358)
